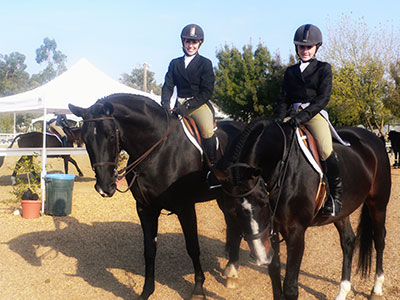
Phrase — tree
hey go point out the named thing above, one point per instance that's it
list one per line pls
(248, 83)
(13, 77)
(360, 57)
(393, 100)
(55, 59)
(136, 80)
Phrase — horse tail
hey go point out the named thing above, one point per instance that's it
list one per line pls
(13, 141)
(364, 242)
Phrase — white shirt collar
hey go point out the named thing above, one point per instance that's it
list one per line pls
(304, 65)
(188, 59)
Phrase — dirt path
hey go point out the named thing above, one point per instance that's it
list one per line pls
(96, 252)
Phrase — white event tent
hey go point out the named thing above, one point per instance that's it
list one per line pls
(82, 85)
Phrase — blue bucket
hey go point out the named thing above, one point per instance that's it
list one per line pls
(61, 176)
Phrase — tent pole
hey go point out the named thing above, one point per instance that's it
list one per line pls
(44, 157)
(15, 124)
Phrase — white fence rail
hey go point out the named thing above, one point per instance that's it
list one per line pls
(38, 151)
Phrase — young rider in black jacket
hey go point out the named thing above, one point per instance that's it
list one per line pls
(193, 76)
(306, 90)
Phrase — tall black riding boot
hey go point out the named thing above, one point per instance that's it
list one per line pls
(210, 147)
(333, 204)
(64, 141)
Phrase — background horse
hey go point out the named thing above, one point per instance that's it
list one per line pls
(271, 190)
(394, 138)
(35, 140)
(165, 170)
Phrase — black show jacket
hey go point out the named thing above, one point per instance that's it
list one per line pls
(313, 86)
(196, 81)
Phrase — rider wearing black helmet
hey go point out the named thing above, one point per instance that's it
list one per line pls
(193, 76)
(306, 91)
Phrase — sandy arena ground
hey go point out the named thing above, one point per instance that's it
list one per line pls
(96, 252)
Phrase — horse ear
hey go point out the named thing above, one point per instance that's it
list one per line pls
(108, 108)
(77, 111)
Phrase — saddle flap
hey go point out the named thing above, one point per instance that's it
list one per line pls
(310, 143)
(192, 127)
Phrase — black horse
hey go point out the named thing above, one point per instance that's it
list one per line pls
(394, 137)
(35, 140)
(272, 190)
(164, 171)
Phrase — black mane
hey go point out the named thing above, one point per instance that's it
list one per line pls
(251, 131)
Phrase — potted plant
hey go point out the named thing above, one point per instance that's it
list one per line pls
(27, 189)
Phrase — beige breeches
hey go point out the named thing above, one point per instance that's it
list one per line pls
(57, 128)
(204, 119)
(319, 128)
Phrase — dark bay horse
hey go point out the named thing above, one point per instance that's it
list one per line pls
(394, 137)
(35, 140)
(164, 171)
(271, 190)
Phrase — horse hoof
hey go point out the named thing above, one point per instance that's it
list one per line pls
(375, 297)
(198, 297)
(80, 174)
(231, 283)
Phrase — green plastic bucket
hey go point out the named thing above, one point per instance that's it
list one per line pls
(59, 194)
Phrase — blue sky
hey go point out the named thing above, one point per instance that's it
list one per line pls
(117, 36)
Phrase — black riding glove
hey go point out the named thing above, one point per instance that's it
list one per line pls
(184, 109)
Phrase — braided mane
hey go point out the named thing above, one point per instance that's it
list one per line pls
(251, 131)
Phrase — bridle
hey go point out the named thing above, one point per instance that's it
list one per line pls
(251, 190)
(119, 174)
(280, 170)
(106, 163)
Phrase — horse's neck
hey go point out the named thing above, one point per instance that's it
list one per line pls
(139, 134)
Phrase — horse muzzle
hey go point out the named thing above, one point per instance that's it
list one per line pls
(259, 253)
(109, 192)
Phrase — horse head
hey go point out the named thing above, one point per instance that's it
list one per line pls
(243, 175)
(100, 134)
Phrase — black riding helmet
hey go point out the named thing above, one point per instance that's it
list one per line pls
(308, 35)
(192, 32)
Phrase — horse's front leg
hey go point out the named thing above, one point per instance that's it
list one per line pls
(274, 269)
(232, 246)
(295, 250)
(188, 220)
(149, 221)
(347, 242)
